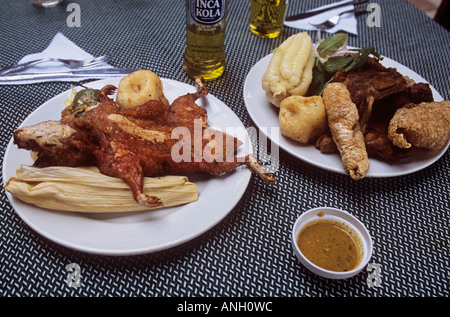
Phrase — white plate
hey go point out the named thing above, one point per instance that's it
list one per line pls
(136, 232)
(264, 114)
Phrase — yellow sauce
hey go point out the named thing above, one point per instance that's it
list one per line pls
(331, 245)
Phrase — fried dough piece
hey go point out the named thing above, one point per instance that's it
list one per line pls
(343, 120)
(140, 87)
(426, 125)
(302, 119)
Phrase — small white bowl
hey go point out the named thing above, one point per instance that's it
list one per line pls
(327, 213)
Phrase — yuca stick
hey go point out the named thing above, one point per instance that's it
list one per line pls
(85, 189)
(343, 120)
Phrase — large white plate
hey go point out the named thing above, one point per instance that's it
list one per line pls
(264, 114)
(136, 232)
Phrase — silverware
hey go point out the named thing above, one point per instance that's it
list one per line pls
(95, 73)
(308, 14)
(333, 21)
(71, 63)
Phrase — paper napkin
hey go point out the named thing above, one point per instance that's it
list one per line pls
(59, 47)
(347, 23)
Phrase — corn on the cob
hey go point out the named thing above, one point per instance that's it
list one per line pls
(85, 189)
(290, 69)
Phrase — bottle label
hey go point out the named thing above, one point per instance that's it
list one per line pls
(207, 11)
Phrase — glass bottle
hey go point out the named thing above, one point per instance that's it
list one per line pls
(205, 36)
(267, 17)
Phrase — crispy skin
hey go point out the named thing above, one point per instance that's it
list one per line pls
(343, 120)
(56, 143)
(378, 143)
(426, 125)
(137, 142)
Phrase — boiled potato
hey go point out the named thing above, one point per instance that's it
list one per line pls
(138, 88)
(302, 119)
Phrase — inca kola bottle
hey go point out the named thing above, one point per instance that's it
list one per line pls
(205, 35)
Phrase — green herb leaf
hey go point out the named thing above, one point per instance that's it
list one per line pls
(320, 78)
(359, 59)
(85, 97)
(323, 72)
(332, 44)
(335, 63)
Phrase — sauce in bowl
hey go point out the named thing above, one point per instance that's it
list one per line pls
(330, 244)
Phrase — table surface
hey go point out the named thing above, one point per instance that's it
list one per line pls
(249, 252)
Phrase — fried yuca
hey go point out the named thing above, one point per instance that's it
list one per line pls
(85, 189)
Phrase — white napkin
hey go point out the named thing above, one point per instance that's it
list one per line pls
(347, 22)
(60, 47)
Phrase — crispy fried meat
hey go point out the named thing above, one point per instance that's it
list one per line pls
(137, 142)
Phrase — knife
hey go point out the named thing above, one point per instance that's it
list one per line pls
(308, 14)
(101, 72)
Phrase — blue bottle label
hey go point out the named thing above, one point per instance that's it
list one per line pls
(207, 11)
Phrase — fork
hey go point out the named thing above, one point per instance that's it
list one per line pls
(71, 63)
(313, 12)
(333, 21)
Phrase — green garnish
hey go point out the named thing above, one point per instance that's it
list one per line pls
(331, 45)
(86, 94)
(83, 100)
(327, 64)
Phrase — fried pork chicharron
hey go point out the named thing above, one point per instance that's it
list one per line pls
(136, 142)
(343, 120)
(378, 91)
(425, 125)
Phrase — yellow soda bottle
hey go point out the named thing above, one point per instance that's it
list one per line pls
(267, 17)
(205, 36)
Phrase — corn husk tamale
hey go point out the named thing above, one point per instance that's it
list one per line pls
(85, 189)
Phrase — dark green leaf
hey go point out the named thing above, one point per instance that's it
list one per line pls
(335, 63)
(84, 93)
(85, 97)
(320, 78)
(331, 45)
(323, 72)
(359, 59)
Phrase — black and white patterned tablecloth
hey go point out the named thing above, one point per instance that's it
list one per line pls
(249, 252)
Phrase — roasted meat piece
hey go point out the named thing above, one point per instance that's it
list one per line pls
(384, 109)
(378, 92)
(55, 143)
(376, 135)
(379, 145)
(137, 142)
(370, 83)
(372, 79)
